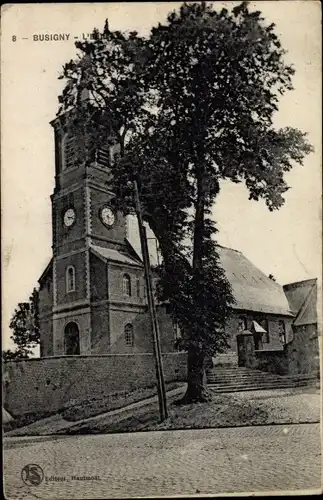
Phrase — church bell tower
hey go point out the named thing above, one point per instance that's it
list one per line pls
(83, 218)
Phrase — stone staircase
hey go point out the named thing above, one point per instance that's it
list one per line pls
(235, 379)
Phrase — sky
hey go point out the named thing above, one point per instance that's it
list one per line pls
(285, 243)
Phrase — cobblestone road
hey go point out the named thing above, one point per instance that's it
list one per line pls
(208, 461)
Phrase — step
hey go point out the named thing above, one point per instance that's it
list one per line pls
(260, 382)
(260, 376)
(254, 377)
(255, 382)
(249, 375)
(257, 387)
(251, 386)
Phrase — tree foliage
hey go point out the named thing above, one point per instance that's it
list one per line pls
(25, 327)
(191, 105)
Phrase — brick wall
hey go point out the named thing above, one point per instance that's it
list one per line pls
(100, 331)
(46, 336)
(47, 384)
(83, 319)
(66, 236)
(115, 281)
(98, 278)
(117, 232)
(79, 262)
(139, 318)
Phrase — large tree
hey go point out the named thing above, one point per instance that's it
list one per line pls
(191, 105)
(25, 326)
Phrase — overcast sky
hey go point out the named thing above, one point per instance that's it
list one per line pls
(286, 243)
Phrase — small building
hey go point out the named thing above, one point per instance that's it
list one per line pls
(303, 348)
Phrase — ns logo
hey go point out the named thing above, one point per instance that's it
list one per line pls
(32, 475)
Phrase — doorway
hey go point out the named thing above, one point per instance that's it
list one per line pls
(72, 339)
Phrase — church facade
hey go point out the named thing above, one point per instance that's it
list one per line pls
(92, 293)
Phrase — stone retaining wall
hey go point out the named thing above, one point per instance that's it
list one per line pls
(48, 384)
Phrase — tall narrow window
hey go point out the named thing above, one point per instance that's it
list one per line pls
(70, 279)
(242, 323)
(263, 321)
(128, 334)
(69, 151)
(138, 287)
(281, 331)
(126, 285)
(176, 330)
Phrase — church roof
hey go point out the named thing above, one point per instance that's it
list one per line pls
(252, 289)
(302, 298)
(115, 255)
(47, 269)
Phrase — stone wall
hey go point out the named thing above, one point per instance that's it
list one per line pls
(48, 384)
(272, 361)
(303, 351)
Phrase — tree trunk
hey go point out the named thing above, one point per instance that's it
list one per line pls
(196, 378)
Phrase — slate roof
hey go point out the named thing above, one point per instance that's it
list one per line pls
(116, 256)
(302, 298)
(252, 289)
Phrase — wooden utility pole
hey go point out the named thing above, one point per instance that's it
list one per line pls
(152, 310)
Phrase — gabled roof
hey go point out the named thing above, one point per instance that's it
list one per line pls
(46, 271)
(302, 297)
(115, 255)
(252, 289)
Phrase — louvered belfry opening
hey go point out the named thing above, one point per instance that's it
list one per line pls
(70, 151)
(103, 157)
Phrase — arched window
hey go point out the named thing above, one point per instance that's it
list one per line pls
(281, 331)
(72, 339)
(128, 334)
(69, 151)
(126, 285)
(70, 279)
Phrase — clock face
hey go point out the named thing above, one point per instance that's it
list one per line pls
(69, 217)
(107, 216)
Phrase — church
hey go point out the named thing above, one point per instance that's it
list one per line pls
(92, 293)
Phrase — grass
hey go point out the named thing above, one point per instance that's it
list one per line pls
(90, 407)
(221, 411)
(26, 419)
(95, 406)
(224, 410)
